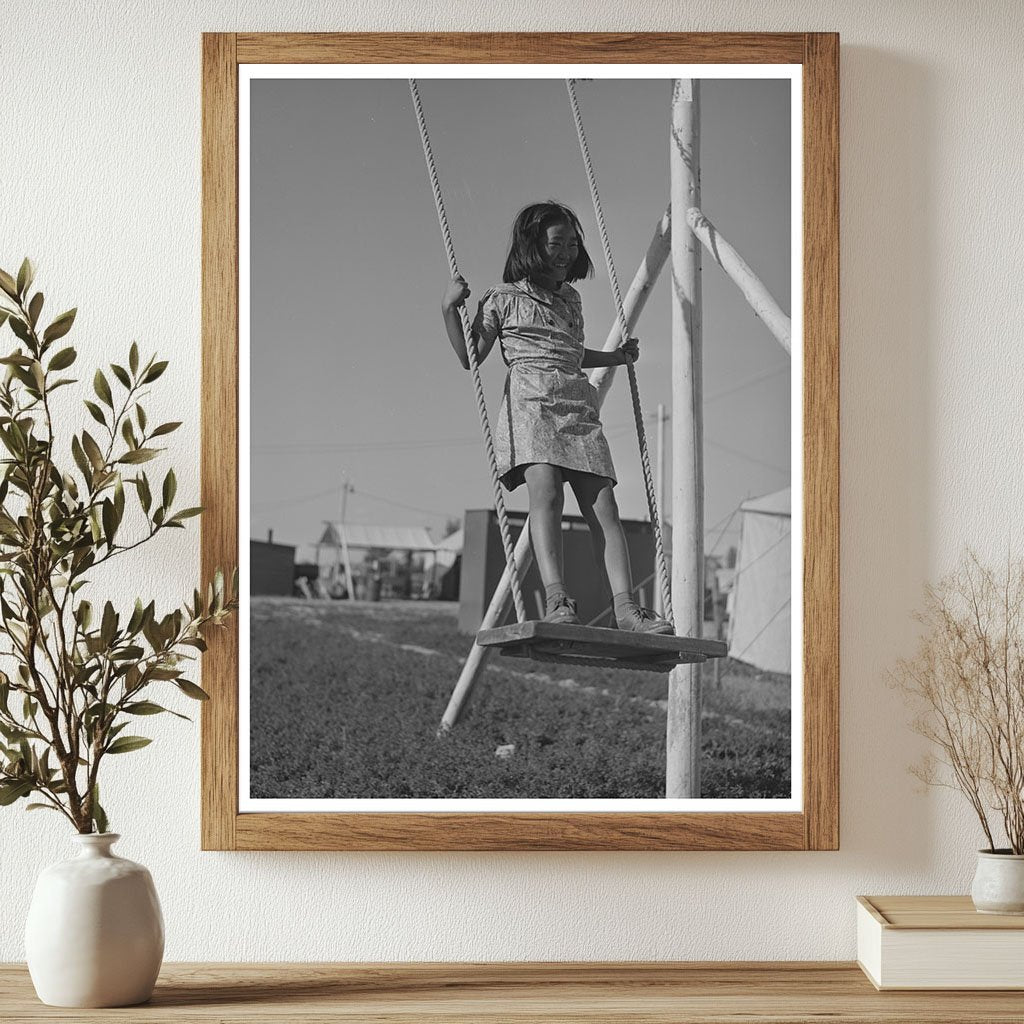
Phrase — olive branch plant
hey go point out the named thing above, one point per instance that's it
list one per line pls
(80, 674)
(966, 681)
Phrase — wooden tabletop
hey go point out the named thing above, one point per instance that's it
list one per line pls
(660, 993)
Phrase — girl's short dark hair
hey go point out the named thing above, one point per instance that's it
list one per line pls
(525, 252)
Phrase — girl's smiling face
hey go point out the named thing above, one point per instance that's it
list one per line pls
(560, 247)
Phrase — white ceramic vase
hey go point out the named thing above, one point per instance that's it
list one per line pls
(999, 883)
(95, 933)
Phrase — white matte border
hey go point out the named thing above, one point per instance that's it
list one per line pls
(793, 72)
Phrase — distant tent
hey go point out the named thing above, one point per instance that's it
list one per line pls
(390, 538)
(759, 623)
(449, 549)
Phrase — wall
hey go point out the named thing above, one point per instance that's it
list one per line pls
(100, 173)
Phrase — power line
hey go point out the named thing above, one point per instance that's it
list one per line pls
(750, 382)
(321, 447)
(395, 444)
(411, 508)
(746, 458)
(296, 501)
(757, 636)
(718, 539)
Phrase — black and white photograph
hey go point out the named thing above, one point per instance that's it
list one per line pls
(520, 440)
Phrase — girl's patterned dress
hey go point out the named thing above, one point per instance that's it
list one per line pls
(549, 408)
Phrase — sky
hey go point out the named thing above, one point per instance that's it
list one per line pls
(352, 375)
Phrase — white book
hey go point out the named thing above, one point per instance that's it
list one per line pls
(938, 942)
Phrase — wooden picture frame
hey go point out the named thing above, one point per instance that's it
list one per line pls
(816, 826)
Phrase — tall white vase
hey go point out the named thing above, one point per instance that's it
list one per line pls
(95, 933)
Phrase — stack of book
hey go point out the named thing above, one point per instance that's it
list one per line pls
(938, 942)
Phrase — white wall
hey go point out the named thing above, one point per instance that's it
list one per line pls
(100, 183)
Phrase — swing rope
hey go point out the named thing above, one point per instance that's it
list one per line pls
(474, 363)
(638, 416)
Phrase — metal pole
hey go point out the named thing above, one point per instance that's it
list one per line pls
(636, 298)
(659, 601)
(683, 732)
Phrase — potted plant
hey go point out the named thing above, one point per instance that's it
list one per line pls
(82, 671)
(967, 682)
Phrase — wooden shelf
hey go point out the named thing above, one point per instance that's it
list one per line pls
(656, 993)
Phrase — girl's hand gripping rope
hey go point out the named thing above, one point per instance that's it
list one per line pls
(456, 293)
(630, 351)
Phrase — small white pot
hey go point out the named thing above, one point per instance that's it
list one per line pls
(95, 933)
(999, 882)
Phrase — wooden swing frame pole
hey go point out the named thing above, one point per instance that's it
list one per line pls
(761, 301)
(683, 725)
(636, 298)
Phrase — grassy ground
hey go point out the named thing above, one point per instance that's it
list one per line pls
(346, 698)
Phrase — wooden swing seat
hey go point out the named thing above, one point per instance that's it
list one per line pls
(594, 646)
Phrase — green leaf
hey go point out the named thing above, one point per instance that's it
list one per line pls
(139, 455)
(95, 412)
(109, 521)
(133, 358)
(185, 513)
(147, 707)
(128, 433)
(20, 328)
(63, 359)
(60, 326)
(26, 274)
(102, 388)
(8, 284)
(121, 374)
(126, 744)
(154, 371)
(99, 816)
(136, 620)
(145, 497)
(92, 449)
(191, 690)
(42, 807)
(170, 487)
(165, 428)
(34, 308)
(130, 653)
(11, 791)
(119, 499)
(108, 627)
(80, 459)
(140, 415)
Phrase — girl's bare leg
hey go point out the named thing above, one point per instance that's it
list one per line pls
(547, 497)
(596, 499)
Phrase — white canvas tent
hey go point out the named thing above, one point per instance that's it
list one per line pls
(759, 621)
(343, 538)
(449, 549)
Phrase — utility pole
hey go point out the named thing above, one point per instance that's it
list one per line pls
(346, 487)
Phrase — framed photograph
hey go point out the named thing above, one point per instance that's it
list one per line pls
(521, 420)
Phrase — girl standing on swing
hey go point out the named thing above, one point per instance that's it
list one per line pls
(549, 432)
